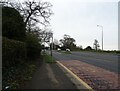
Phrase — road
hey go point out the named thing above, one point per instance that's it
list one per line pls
(103, 60)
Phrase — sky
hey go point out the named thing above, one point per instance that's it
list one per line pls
(79, 19)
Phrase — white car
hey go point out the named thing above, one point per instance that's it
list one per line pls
(58, 49)
(68, 50)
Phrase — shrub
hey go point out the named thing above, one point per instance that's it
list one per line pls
(33, 46)
(13, 52)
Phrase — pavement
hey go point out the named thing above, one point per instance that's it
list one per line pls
(50, 76)
(58, 76)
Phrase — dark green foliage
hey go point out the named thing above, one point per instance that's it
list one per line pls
(118, 52)
(67, 42)
(33, 46)
(13, 52)
(13, 26)
(88, 48)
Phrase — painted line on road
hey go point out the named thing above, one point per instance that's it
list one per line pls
(76, 77)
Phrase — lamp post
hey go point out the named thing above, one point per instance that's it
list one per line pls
(102, 34)
(52, 47)
(51, 43)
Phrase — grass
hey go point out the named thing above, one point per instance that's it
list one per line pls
(66, 52)
(100, 51)
(48, 59)
(111, 52)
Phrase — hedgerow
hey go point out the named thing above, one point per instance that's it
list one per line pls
(13, 26)
(13, 52)
(33, 46)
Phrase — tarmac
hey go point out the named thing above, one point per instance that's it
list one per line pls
(55, 76)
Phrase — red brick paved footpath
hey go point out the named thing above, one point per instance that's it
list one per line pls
(96, 77)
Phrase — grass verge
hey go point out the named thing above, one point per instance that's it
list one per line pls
(110, 52)
(48, 59)
(65, 52)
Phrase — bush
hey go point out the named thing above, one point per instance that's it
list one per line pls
(88, 48)
(118, 52)
(13, 52)
(33, 46)
(13, 26)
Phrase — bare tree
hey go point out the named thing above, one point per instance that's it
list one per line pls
(3, 3)
(96, 45)
(45, 35)
(34, 12)
(34, 9)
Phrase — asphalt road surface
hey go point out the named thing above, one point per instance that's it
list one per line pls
(104, 60)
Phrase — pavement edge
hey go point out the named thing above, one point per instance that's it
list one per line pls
(78, 82)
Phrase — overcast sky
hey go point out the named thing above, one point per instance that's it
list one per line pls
(79, 19)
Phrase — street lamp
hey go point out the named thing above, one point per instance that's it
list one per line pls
(51, 43)
(52, 46)
(102, 34)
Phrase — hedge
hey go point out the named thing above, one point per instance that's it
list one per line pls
(33, 46)
(13, 52)
(13, 26)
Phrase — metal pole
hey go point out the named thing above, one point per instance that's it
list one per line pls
(52, 48)
(52, 44)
